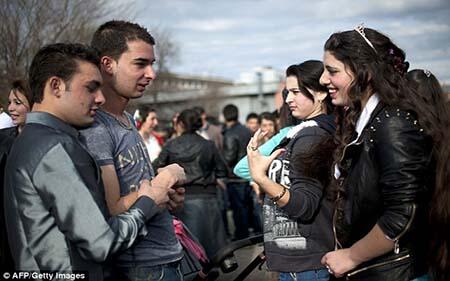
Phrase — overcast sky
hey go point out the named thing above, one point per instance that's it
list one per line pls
(225, 38)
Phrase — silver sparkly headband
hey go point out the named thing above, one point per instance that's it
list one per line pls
(360, 30)
(427, 72)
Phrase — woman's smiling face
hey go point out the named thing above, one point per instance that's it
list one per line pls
(337, 78)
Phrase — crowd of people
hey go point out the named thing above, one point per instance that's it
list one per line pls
(348, 179)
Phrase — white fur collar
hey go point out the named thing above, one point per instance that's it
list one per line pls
(294, 131)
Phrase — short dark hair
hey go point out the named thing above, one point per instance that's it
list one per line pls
(191, 120)
(251, 115)
(22, 87)
(230, 112)
(267, 116)
(199, 109)
(59, 60)
(111, 38)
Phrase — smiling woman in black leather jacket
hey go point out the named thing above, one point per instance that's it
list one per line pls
(385, 166)
(203, 166)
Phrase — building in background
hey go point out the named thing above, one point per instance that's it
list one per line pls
(255, 91)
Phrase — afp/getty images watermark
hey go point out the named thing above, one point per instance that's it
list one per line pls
(33, 275)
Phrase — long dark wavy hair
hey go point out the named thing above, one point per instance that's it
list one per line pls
(428, 87)
(382, 70)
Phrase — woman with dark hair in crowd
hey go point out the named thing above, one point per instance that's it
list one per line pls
(297, 216)
(19, 104)
(388, 144)
(430, 90)
(203, 165)
(268, 124)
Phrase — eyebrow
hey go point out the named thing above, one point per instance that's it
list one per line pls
(328, 67)
(94, 84)
(144, 60)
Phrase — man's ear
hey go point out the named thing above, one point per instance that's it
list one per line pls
(107, 64)
(57, 86)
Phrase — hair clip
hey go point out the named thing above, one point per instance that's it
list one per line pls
(427, 72)
(360, 29)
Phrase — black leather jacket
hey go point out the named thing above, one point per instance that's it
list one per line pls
(7, 137)
(235, 141)
(200, 159)
(55, 210)
(389, 182)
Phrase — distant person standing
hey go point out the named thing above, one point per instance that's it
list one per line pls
(268, 124)
(19, 104)
(208, 130)
(235, 140)
(252, 122)
(203, 165)
(152, 140)
(214, 132)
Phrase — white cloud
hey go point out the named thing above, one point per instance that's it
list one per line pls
(225, 37)
(406, 5)
(209, 25)
(362, 10)
(399, 29)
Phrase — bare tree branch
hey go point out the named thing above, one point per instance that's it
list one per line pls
(27, 25)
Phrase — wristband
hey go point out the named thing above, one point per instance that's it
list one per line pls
(279, 196)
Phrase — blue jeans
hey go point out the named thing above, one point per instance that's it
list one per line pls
(310, 275)
(241, 203)
(256, 218)
(201, 214)
(166, 272)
